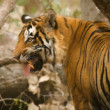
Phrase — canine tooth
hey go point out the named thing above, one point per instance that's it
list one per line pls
(31, 64)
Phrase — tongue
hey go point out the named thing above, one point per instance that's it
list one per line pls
(26, 69)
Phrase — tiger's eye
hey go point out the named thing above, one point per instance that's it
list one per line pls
(29, 40)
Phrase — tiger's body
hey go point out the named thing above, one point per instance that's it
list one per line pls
(83, 49)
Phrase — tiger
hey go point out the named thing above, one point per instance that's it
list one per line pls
(81, 46)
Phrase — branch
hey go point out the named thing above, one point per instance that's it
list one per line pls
(5, 8)
(8, 61)
(104, 6)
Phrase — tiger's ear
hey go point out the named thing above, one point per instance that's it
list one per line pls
(25, 18)
(50, 18)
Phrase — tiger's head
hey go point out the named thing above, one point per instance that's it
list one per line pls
(39, 41)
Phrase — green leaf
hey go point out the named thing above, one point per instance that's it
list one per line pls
(57, 2)
(76, 13)
(16, 101)
(22, 2)
(34, 10)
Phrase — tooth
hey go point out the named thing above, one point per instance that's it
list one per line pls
(30, 64)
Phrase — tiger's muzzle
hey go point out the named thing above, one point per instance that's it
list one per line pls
(32, 59)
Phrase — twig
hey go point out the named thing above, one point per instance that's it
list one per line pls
(8, 69)
(13, 80)
(14, 99)
(27, 96)
(104, 6)
(8, 61)
(3, 100)
(5, 8)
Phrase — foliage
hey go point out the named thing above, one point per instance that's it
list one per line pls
(34, 10)
(76, 13)
(60, 6)
(20, 103)
(11, 20)
(1, 36)
(22, 2)
(10, 33)
(54, 4)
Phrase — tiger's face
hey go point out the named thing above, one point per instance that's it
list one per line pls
(36, 41)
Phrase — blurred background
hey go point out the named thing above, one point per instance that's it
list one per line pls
(50, 87)
(36, 8)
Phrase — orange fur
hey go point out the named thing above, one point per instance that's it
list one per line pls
(83, 49)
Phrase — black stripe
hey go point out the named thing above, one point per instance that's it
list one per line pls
(38, 46)
(66, 23)
(96, 31)
(84, 30)
(99, 98)
(36, 35)
(100, 51)
(104, 29)
(80, 23)
(51, 22)
(98, 95)
(37, 27)
(94, 38)
(41, 40)
(56, 25)
(102, 76)
(82, 40)
(54, 56)
(37, 20)
(53, 40)
(102, 84)
(81, 73)
(107, 80)
(42, 46)
(29, 27)
(85, 51)
(108, 55)
(96, 41)
(80, 49)
(47, 48)
(84, 37)
(96, 78)
(45, 52)
(39, 17)
(45, 36)
(97, 50)
(72, 30)
(98, 22)
(34, 23)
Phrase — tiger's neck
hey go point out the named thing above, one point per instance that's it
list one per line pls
(67, 28)
(72, 33)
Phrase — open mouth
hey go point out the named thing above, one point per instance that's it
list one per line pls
(32, 65)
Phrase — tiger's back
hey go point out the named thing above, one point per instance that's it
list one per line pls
(83, 49)
(90, 57)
